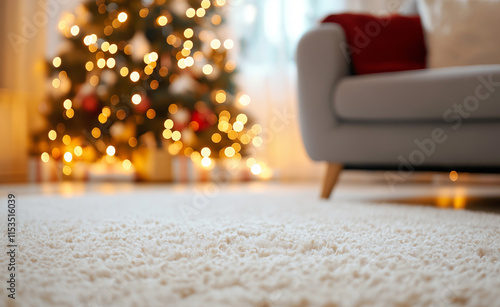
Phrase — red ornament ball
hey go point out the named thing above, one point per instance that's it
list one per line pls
(91, 104)
(202, 119)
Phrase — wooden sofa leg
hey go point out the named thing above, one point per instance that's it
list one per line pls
(332, 175)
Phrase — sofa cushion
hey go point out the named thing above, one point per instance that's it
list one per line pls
(462, 32)
(382, 44)
(408, 8)
(469, 92)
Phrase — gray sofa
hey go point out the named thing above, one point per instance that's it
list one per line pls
(446, 119)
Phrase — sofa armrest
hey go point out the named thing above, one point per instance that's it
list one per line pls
(321, 61)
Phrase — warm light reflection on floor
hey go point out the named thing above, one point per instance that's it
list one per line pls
(455, 198)
(457, 202)
(76, 189)
(451, 198)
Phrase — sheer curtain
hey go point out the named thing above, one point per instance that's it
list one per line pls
(268, 31)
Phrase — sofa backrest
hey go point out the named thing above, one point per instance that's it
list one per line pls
(408, 8)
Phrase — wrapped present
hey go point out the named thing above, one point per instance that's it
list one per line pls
(186, 170)
(105, 171)
(151, 161)
(152, 164)
(39, 171)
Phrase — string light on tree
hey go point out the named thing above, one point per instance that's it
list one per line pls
(56, 61)
(127, 164)
(136, 99)
(45, 157)
(110, 151)
(256, 169)
(122, 17)
(68, 157)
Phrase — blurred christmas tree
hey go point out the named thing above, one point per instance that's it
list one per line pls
(129, 67)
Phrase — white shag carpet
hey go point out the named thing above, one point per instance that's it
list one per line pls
(250, 249)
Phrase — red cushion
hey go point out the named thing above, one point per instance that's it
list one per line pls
(382, 44)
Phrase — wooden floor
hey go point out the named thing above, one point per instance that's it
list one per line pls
(474, 203)
(478, 195)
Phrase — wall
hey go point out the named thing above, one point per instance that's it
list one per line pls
(21, 82)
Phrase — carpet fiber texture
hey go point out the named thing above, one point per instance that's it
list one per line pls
(155, 248)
